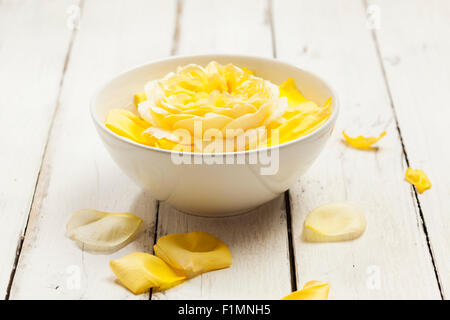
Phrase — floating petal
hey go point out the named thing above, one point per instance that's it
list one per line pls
(128, 125)
(139, 97)
(289, 89)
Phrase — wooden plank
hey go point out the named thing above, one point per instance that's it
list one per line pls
(77, 171)
(224, 27)
(257, 240)
(415, 51)
(391, 260)
(34, 41)
(258, 245)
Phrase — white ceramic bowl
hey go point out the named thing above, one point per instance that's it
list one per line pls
(212, 189)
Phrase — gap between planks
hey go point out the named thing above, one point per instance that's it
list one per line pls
(405, 153)
(173, 51)
(158, 203)
(176, 30)
(287, 200)
(55, 111)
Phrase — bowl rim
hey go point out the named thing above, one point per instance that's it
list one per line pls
(308, 136)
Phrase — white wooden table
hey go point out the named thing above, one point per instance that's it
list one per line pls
(388, 60)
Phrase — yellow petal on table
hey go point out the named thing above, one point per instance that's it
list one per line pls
(102, 231)
(128, 125)
(193, 253)
(335, 221)
(289, 89)
(141, 271)
(361, 142)
(313, 290)
(139, 97)
(418, 178)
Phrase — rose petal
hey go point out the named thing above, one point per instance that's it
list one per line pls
(193, 253)
(102, 231)
(336, 221)
(289, 89)
(141, 271)
(361, 142)
(313, 290)
(139, 97)
(128, 125)
(220, 97)
(418, 178)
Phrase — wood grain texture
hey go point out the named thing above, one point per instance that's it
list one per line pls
(258, 245)
(396, 75)
(391, 260)
(224, 27)
(33, 45)
(257, 240)
(415, 51)
(77, 171)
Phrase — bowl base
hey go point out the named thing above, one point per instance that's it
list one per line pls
(216, 215)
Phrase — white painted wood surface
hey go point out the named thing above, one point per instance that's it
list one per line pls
(258, 245)
(77, 171)
(32, 54)
(257, 240)
(393, 249)
(415, 51)
(391, 260)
